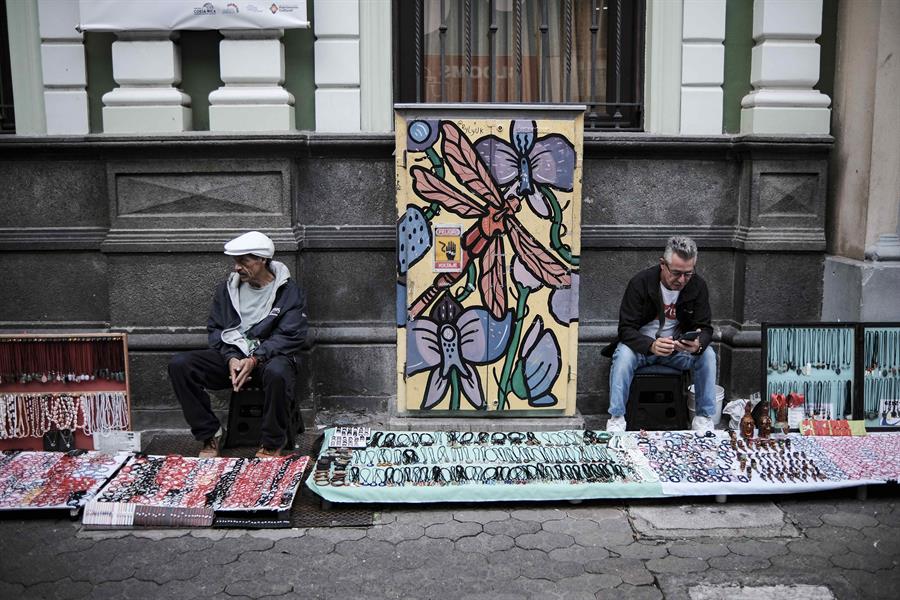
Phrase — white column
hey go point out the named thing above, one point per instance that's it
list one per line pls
(702, 66)
(663, 66)
(147, 66)
(337, 65)
(376, 77)
(784, 69)
(25, 67)
(63, 68)
(251, 64)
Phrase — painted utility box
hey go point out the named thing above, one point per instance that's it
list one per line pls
(488, 243)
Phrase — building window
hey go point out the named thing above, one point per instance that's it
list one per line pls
(7, 111)
(534, 51)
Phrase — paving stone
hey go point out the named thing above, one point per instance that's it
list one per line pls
(534, 564)
(800, 563)
(591, 533)
(541, 515)
(337, 534)
(258, 588)
(383, 518)
(758, 549)
(181, 568)
(828, 533)
(542, 588)
(869, 562)
(11, 590)
(720, 520)
(481, 516)
(424, 517)
(629, 570)
(424, 550)
(453, 530)
(733, 562)
(376, 554)
(597, 514)
(590, 583)
(306, 547)
(823, 548)
(751, 592)
(127, 589)
(484, 543)
(701, 551)
(544, 540)
(641, 550)
(512, 527)
(885, 542)
(674, 564)
(848, 519)
(631, 592)
(64, 589)
(867, 586)
(396, 532)
(579, 554)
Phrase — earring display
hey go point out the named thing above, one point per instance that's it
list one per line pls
(814, 363)
(881, 378)
(59, 391)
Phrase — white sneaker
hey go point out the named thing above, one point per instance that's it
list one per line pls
(702, 424)
(616, 424)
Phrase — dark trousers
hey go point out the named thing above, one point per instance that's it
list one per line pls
(194, 372)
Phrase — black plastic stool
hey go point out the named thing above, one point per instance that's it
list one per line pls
(245, 419)
(656, 399)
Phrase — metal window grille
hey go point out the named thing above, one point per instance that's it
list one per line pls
(536, 51)
(7, 111)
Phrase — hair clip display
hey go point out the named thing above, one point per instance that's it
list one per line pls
(814, 363)
(881, 383)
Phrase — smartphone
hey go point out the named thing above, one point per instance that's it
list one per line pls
(687, 336)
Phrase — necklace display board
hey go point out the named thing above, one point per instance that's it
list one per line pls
(53, 480)
(449, 466)
(810, 371)
(179, 491)
(58, 392)
(881, 374)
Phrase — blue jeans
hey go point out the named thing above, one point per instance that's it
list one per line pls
(625, 362)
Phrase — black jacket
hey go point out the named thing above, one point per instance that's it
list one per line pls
(282, 331)
(642, 303)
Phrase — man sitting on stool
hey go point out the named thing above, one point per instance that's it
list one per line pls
(660, 305)
(256, 326)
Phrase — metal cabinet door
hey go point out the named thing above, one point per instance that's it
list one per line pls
(487, 241)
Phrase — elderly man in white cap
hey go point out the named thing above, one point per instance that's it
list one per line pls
(256, 326)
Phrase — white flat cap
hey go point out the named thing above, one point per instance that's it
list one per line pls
(252, 242)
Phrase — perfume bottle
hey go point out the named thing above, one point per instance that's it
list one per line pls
(747, 423)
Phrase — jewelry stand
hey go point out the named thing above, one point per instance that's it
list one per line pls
(58, 392)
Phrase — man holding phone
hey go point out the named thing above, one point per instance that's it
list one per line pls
(664, 319)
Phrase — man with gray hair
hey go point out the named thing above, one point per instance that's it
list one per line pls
(256, 327)
(664, 319)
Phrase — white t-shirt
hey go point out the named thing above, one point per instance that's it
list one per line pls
(669, 298)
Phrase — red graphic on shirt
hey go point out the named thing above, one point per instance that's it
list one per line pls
(670, 311)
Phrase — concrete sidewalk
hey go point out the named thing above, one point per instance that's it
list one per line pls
(813, 546)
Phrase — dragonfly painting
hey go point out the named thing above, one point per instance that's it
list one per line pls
(488, 246)
(496, 221)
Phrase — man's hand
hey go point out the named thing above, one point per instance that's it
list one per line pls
(663, 346)
(691, 347)
(239, 370)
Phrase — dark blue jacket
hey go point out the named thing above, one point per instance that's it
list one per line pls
(281, 332)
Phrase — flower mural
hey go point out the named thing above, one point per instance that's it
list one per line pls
(449, 345)
(528, 160)
(539, 366)
(496, 221)
(487, 334)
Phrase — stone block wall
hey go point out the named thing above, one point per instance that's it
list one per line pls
(124, 234)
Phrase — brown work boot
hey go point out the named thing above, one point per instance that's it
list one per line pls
(212, 446)
(264, 452)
